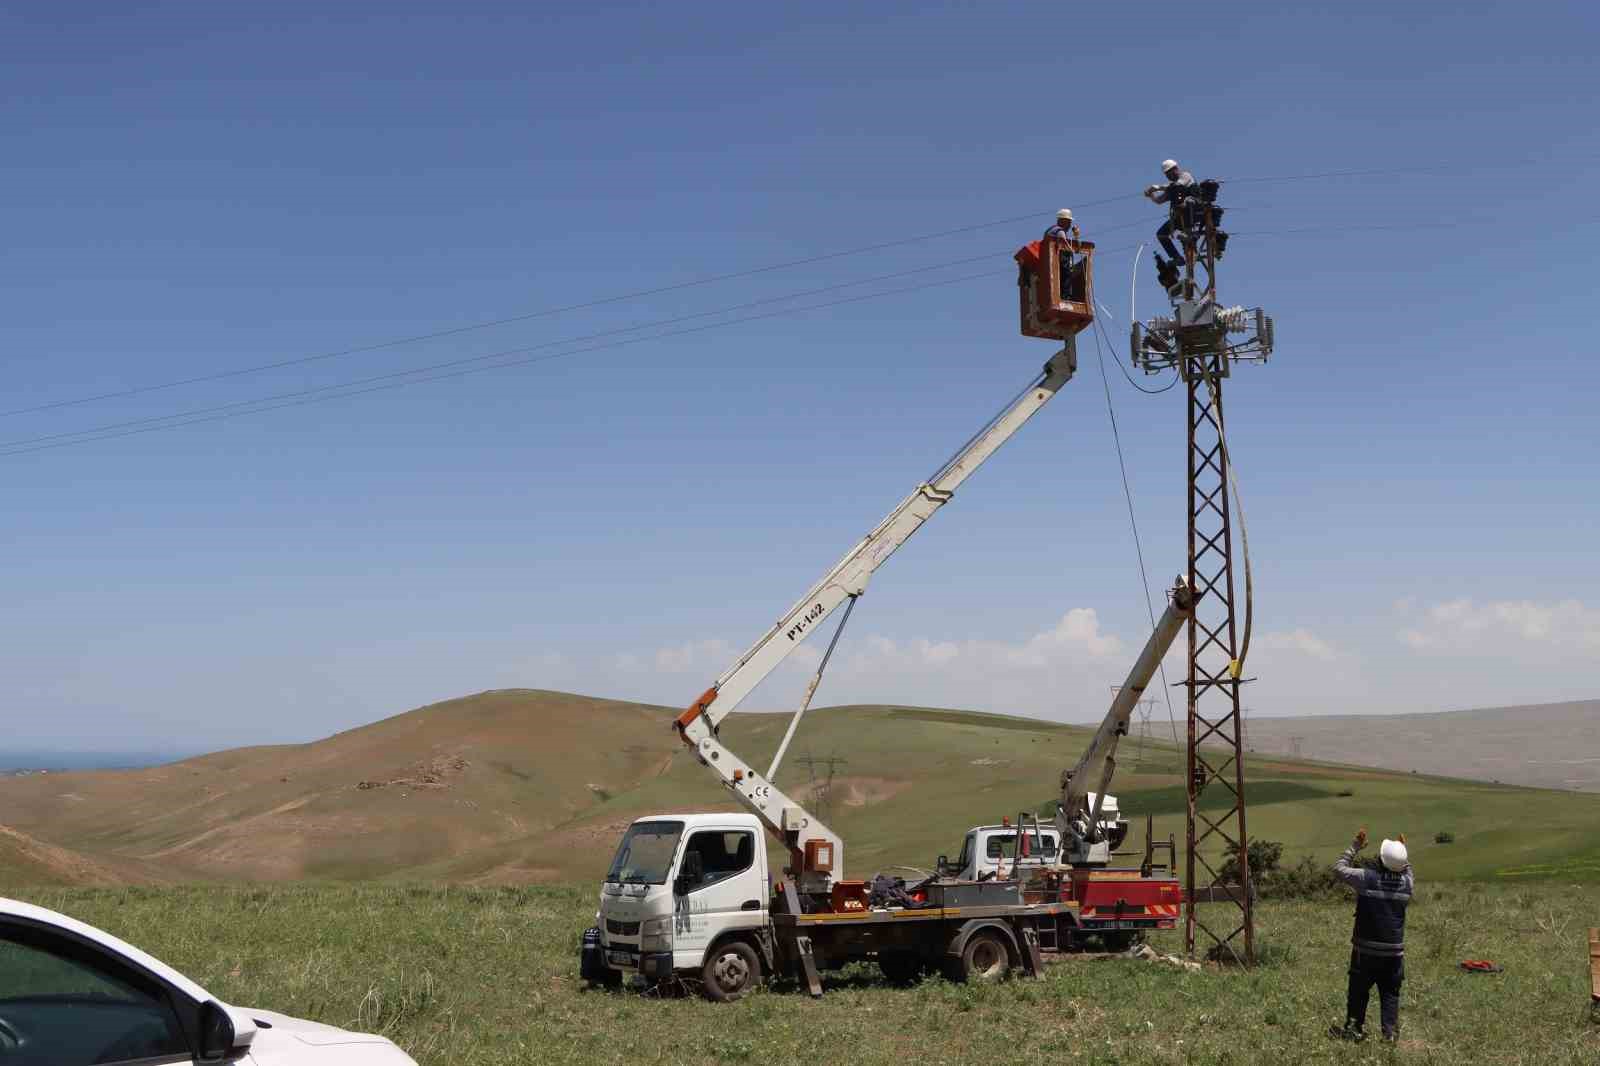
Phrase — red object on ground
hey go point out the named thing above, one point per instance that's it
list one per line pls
(1480, 966)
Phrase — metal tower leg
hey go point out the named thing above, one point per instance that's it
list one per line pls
(1214, 752)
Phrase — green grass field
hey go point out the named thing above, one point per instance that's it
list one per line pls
(488, 976)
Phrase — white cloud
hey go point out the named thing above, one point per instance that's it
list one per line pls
(1300, 640)
(1466, 625)
(1055, 671)
(694, 655)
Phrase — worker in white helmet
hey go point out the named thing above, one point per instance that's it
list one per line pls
(1378, 944)
(1175, 193)
(1066, 231)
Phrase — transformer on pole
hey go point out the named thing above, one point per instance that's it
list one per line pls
(1202, 341)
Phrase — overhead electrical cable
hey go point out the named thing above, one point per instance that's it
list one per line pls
(183, 417)
(1133, 522)
(547, 312)
(679, 286)
(324, 395)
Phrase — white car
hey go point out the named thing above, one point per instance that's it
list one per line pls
(73, 995)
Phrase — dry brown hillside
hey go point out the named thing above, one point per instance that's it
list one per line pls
(403, 792)
(25, 860)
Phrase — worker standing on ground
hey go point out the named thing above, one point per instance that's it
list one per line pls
(1175, 194)
(1378, 945)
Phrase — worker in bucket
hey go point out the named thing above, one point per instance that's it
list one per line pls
(1378, 945)
(1066, 231)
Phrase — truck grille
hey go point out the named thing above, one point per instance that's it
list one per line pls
(622, 928)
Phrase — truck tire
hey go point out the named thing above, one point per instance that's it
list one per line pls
(731, 969)
(984, 957)
(900, 967)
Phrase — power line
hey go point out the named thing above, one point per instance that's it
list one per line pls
(1127, 494)
(468, 360)
(1125, 374)
(113, 430)
(103, 431)
(542, 313)
(692, 283)
(302, 400)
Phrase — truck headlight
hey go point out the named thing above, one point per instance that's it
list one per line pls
(656, 935)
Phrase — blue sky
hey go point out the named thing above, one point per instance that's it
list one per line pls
(200, 188)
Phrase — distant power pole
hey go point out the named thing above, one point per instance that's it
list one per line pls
(1202, 342)
(820, 791)
(1144, 706)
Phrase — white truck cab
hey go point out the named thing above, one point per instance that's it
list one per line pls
(992, 850)
(687, 893)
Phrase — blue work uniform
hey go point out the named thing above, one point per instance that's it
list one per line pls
(1378, 942)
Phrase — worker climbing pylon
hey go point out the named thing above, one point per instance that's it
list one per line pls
(1175, 194)
(1188, 204)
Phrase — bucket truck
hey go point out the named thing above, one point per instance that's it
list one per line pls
(691, 895)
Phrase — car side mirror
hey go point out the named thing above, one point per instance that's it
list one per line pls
(944, 861)
(216, 1033)
(689, 873)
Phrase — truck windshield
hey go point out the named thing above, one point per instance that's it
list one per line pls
(645, 855)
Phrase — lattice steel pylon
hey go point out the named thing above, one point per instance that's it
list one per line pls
(1202, 341)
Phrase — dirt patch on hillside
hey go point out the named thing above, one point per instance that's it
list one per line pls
(865, 791)
(434, 773)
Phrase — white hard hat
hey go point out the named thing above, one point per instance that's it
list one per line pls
(1064, 215)
(1168, 164)
(1393, 855)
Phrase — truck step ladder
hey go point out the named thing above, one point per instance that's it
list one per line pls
(1032, 960)
(808, 966)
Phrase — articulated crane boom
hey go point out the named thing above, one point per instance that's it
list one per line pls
(816, 852)
(1083, 838)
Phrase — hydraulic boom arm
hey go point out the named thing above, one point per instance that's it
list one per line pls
(817, 852)
(1078, 821)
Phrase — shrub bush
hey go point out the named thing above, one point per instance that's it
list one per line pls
(1444, 836)
(1306, 879)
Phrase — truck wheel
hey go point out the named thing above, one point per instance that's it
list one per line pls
(900, 967)
(984, 958)
(730, 971)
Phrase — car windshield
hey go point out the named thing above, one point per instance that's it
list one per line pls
(645, 855)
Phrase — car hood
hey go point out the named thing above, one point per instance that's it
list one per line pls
(286, 1041)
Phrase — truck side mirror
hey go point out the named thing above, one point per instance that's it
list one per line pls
(942, 863)
(689, 873)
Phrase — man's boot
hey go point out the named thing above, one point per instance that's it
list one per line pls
(1348, 1031)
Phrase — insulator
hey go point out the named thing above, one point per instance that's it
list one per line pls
(1234, 319)
(1162, 324)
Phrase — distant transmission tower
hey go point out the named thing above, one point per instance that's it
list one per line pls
(821, 791)
(1202, 341)
(1296, 747)
(1144, 706)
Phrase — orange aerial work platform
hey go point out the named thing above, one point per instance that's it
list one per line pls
(1055, 282)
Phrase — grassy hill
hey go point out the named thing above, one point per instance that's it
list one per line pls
(532, 786)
